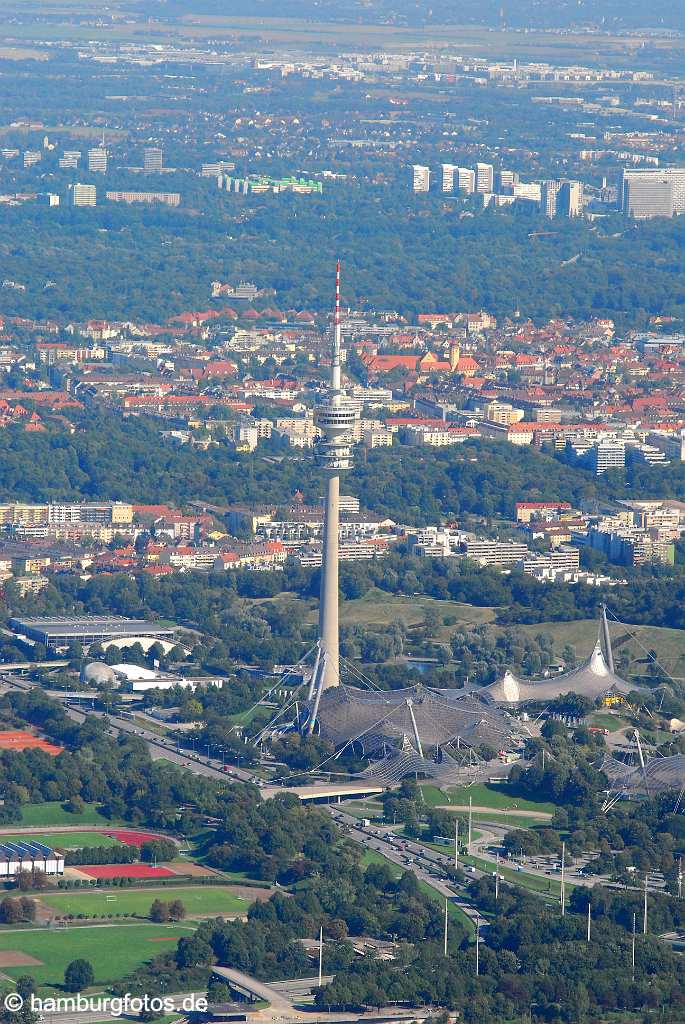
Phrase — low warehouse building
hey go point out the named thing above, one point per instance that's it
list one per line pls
(29, 856)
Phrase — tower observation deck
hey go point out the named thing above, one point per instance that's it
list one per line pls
(335, 418)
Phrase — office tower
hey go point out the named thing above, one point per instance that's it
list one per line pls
(422, 178)
(83, 195)
(31, 157)
(467, 180)
(653, 193)
(448, 171)
(153, 160)
(550, 194)
(570, 199)
(97, 160)
(485, 178)
(335, 419)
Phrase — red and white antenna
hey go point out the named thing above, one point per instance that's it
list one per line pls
(335, 363)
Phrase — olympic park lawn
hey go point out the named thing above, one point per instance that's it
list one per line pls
(198, 900)
(499, 797)
(113, 950)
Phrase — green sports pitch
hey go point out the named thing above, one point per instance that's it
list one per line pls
(198, 900)
(53, 813)
(114, 951)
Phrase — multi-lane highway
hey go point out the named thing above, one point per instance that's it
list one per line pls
(160, 746)
(428, 865)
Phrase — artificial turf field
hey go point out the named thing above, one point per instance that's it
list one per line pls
(63, 840)
(113, 950)
(211, 899)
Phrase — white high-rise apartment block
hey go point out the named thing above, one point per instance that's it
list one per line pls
(153, 160)
(69, 160)
(527, 190)
(467, 180)
(507, 179)
(607, 455)
(448, 172)
(485, 178)
(550, 195)
(31, 157)
(653, 193)
(422, 178)
(97, 160)
(83, 195)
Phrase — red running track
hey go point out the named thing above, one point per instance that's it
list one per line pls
(131, 837)
(125, 871)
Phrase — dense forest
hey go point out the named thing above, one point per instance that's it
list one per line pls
(110, 458)
(152, 264)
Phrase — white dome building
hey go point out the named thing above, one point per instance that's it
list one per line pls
(98, 674)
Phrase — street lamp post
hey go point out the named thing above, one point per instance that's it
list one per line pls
(477, 946)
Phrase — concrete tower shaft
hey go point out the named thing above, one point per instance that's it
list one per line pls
(335, 418)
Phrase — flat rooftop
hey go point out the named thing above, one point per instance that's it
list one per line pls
(80, 625)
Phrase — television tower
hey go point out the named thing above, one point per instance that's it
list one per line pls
(335, 418)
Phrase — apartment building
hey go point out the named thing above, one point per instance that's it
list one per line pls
(598, 456)
(165, 198)
(421, 181)
(563, 559)
(495, 552)
(630, 545)
(97, 160)
(436, 542)
(503, 413)
(466, 179)
(377, 437)
(527, 510)
(83, 195)
(485, 178)
(153, 160)
(432, 437)
(116, 513)
(448, 175)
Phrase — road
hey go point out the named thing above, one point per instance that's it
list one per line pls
(283, 1009)
(428, 865)
(279, 1002)
(159, 746)
(428, 861)
(94, 1016)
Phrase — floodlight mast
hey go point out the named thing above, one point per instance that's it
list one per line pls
(335, 418)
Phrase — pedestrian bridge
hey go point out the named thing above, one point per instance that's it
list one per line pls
(326, 792)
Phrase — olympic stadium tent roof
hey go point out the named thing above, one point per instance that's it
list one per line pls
(659, 775)
(592, 679)
(427, 718)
